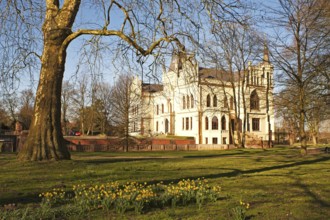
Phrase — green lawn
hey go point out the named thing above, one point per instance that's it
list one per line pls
(278, 183)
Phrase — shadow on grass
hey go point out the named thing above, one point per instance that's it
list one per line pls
(237, 172)
(20, 199)
(215, 155)
(33, 198)
(308, 192)
(119, 160)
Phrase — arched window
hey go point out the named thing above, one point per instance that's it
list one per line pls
(225, 102)
(192, 101)
(166, 125)
(188, 102)
(254, 101)
(223, 123)
(206, 123)
(208, 100)
(215, 124)
(215, 101)
(184, 102)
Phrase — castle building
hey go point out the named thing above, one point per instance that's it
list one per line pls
(213, 106)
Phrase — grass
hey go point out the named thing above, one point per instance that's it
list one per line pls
(278, 183)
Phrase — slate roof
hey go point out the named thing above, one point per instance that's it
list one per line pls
(147, 87)
(212, 73)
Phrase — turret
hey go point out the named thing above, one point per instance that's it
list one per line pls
(266, 54)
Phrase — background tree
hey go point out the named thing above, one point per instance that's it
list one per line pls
(104, 107)
(80, 101)
(67, 106)
(233, 43)
(25, 109)
(124, 97)
(300, 44)
(5, 121)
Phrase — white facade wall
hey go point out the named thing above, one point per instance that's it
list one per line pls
(174, 117)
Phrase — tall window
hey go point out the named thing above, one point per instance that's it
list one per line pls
(215, 101)
(223, 123)
(157, 110)
(255, 124)
(182, 123)
(254, 101)
(190, 123)
(231, 103)
(157, 126)
(208, 100)
(184, 102)
(166, 125)
(192, 101)
(214, 140)
(162, 108)
(187, 123)
(206, 123)
(215, 124)
(225, 102)
(170, 107)
(188, 103)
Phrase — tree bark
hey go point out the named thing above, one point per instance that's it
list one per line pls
(45, 140)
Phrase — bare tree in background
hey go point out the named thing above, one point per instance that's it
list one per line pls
(25, 109)
(5, 121)
(233, 43)
(124, 97)
(80, 101)
(103, 96)
(300, 48)
(67, 105)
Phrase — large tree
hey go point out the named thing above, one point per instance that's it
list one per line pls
(300, 49)
(144, 26)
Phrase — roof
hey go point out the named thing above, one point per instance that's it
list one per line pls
(212, 73)
(147, 87)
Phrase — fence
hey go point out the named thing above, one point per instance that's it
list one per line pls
(8, 143)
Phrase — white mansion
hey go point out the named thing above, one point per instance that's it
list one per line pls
(200, 102)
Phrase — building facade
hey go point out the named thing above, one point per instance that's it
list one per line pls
(213, 106)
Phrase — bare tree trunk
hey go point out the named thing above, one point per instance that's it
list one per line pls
(45, 140)
(302, 132)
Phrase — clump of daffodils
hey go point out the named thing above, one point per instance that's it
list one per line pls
(239, 212)
(54, 196)
(135, 196)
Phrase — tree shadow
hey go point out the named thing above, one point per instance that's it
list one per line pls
(237, 172)
(119, 160)
(22, 199)
(311, 194)
(215, 155)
